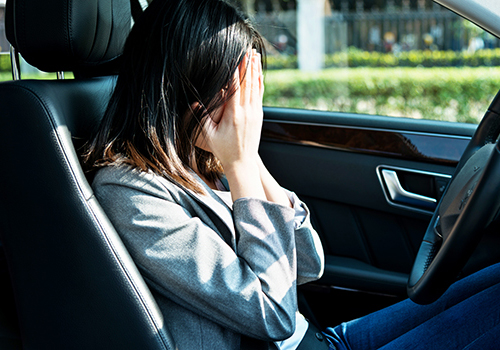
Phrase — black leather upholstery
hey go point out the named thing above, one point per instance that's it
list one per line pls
(74, 283)
(10, 339)
(55, 35)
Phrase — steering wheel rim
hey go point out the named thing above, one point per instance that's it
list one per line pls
(468, 205)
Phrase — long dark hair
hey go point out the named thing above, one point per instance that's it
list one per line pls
(181, 53)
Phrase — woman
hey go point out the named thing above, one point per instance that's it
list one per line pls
(223, 266)
(220, 264)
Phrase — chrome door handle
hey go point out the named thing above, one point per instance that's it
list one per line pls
(399, 195)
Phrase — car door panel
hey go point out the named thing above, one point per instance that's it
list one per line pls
(333, 162)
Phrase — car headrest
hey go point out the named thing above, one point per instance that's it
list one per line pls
(68, 35)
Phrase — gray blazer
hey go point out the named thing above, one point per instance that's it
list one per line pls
(215, 272)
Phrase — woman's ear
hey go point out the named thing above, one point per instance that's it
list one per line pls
(193, 107)
(216, 115)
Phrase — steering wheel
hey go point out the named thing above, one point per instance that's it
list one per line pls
(470, 203)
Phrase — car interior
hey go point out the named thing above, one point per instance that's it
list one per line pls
(371, 182)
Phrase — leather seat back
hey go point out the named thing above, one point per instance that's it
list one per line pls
(74, 283)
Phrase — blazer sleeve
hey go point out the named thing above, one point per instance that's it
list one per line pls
(310, 255)
(251, 291)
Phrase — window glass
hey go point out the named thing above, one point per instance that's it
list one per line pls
(27, 70)
(404, 58)
(409, 58)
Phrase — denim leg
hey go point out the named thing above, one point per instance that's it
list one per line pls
(456, 327)
(489, 340)
(471, 304)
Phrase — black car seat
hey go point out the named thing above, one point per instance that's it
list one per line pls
(75, 286)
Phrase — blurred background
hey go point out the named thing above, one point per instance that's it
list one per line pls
(405, 58)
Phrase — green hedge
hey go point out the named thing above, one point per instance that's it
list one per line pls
(4, 63)
(7, 76)
(454, 94)
(356, 58)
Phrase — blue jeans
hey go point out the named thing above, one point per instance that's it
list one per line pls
(467, 316)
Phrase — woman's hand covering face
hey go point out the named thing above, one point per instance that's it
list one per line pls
(232, 133)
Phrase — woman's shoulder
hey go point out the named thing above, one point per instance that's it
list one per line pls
(126, 178)
(122, 173)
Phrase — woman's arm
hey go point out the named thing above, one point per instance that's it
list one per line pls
(233, 135)
(179, 248)
(274, 192)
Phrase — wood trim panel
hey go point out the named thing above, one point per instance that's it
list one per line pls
(438, 149)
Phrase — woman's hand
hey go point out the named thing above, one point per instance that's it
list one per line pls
(233, 133)
(235, 138)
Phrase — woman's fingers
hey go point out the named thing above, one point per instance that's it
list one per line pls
(235, 99)
(261, 78)
(243, 84)
(256, 73)
(252, 85)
